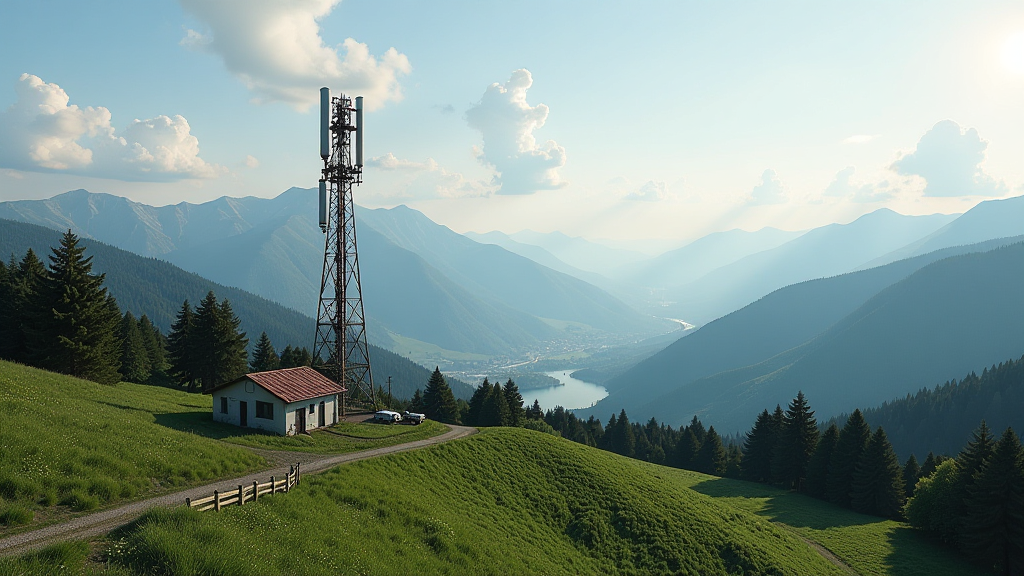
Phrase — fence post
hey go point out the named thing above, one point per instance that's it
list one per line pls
(288, 479)
(241, 495)
(216, 501)
(255, 490)
(188, 502)
(297, 473)
(273, 485)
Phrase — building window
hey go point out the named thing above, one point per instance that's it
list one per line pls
(223, 404)
(264, 410)
(312, 408)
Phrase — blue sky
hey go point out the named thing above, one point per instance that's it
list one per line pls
(609, 120)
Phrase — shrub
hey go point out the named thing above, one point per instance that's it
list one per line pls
(15, 515)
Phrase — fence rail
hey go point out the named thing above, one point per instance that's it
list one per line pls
(245, 493)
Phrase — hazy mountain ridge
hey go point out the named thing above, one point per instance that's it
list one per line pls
(157, 288)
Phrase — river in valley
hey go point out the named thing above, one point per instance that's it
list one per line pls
(572, 394)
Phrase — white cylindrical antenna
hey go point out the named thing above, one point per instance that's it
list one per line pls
(359, 131)
(325, 123)
(323, 205)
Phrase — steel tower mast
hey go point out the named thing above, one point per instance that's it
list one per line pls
(341, 323)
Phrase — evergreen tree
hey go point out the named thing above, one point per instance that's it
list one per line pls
(476, 403)
(514, 400)
(733, 462)
(301, 357)
(439, 401)
(264, 357)
(287, 357)
(156, 346)
(181, 346)
(911, 473)
(625, 439)
(495, 408)
(877, 486)
(798, 438)
(416, 404)
(135, 365)
(711, 457)
(758, 447)
(817, 467)
(853, 440)
(74, 320)
(970, 462)
(220, 350)
(929, 466)
(995, 508)
(684, 454)
(24, 279)
(535, 412)
(697, 427)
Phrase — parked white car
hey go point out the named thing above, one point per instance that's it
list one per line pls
(387, 417)
(413, 417)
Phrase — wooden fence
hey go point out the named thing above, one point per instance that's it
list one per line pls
(245, 493)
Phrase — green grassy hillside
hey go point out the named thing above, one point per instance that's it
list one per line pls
(507, 501)
(70, 445)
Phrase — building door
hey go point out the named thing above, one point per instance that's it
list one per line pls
(243, 413)
(323, 416)
(300, 420)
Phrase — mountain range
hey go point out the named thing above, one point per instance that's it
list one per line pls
(157, 289)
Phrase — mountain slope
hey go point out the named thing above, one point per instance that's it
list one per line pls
(157, 289)
(494, 274)
(988, 220)
(819, 253)
(942, 321)
(690, 262)
(776, 323)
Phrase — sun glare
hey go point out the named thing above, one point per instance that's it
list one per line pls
(1013, 53)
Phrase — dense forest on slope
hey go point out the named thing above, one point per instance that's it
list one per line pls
(939, 419)
(157, 289)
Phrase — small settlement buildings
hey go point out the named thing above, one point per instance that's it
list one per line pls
(287, 401)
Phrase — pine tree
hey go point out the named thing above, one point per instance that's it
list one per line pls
(817, 467)
(758, 447)
(995, 508)
(476, 403)
(495, 408)
(711, 457)
(911, 474)
(535, 412)
(287, 357)
(220, 347)
(135, 365)
(929, 466)
(684, 454)
(181, 344)
(853, 440)
(416, 404)
(156, 346)
(877, 486)
(733, 462)
(25, 278)
(264, 357)
(514, 400)
(624, 441)
(74, 320)
(439, 401)
(697, 427)
(798, 438)
(970, 462)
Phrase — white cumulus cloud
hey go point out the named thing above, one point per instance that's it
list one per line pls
(275, 48)
(650, 192)
(507, 122)
(949, 158)
(859, 138)
(42, 132)
(769, 190)
(843, 186)
(401, 178)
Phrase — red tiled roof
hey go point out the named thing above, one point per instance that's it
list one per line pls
(293, 384)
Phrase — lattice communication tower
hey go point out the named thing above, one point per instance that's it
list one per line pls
(341, 323)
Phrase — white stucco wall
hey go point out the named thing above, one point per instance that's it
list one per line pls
(284, 415)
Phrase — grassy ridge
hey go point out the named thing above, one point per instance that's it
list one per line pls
(506, 501)
(868, 544)
(75, 443)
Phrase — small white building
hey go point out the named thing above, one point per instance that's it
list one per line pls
(287, 401)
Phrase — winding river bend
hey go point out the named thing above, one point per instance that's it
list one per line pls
(572, 394)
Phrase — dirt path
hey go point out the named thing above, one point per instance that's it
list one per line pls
(824, 552)
(106, 520)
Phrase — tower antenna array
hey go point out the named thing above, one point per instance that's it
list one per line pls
(341, 324)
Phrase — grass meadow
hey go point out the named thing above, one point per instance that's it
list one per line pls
(70, 445)
(870, 545)
(506, 501)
